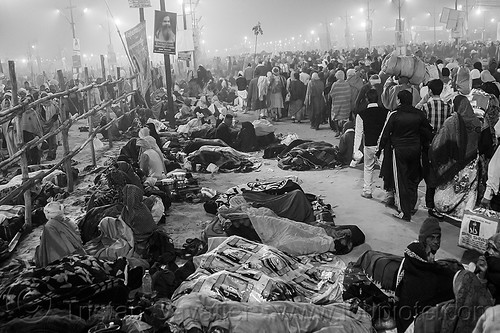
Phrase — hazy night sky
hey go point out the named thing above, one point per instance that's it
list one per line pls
(225, 22)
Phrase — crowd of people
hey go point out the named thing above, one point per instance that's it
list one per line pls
(444, 131)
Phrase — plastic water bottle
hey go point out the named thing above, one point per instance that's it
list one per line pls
(147, 284)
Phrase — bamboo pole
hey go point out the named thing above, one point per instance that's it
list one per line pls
(89, 119)
(65, 134)
(20, 138)
(108, 114)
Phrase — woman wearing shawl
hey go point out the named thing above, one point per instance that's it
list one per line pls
(276, 88)
(454, 157)
(116, 240)
(151, 160)
(461, 314)
(422, 281)
(341, 101)
(137, 216)
(488, 267)
(130, 153)
(32, 128)
(315, 102)
(9, 127)
(297, 91)
(60, 237)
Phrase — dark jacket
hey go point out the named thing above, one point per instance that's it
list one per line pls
(223, 132)
(241, 83)
(373, 124)
(297, 90)
(406, 127)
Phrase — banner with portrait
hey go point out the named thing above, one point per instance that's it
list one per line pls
(165, 32)
(137, 44)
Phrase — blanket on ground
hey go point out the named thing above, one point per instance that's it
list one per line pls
(225, 158)
(245, 271)
(310, 155)
(205, 313)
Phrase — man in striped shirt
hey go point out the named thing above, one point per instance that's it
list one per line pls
(436, 111)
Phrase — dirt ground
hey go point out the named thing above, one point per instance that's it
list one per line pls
(339, 187)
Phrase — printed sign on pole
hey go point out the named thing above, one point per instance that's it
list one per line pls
(164, 32)
(76, 44)
(139, 3)
(137, 44)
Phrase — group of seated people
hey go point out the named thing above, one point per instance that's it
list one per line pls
(441, 295)
(122, 212)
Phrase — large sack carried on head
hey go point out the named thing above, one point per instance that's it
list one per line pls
(431, 73)
(392, 65)
(407, 66)
(419, 71)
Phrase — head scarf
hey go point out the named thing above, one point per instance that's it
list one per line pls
(155, 205)
(463, 107)
(340, 75)
(375, 79)
(463, 81)
(53, 210)
(471, 300)
(135, 214)
(475, 74)
(315, 76)
(144, 132)
(351, 72)
(495, 239)
(429, 227)
(117, 239)
(486, 76)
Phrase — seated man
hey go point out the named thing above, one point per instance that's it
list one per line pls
(224, 131)
(422, 281)
(60, 237)
(346, 144)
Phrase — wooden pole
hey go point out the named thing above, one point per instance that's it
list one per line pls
(89, 119)
(65, 134)
(108, 115)
(20, 141)
(120, 84)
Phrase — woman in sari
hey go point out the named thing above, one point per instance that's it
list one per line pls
(459, 315)
(116, 240)
(297, 91)
(137, 216)
(315, 101)
(454, 157)
(8, 127)
(151, 160)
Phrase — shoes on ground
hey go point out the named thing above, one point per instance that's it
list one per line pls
(434, 213)
(401, 216)
(366, 195)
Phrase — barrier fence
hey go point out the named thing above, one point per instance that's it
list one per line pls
(17, 109)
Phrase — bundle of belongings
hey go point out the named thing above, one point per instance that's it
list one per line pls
(309, 155)
(48, 187)
(280, 213)
(225, 159)
(243, 286)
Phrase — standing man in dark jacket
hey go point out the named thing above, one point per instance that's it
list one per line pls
(406, 130)
(372, 121)
(241, 84)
